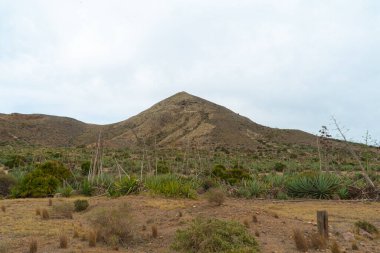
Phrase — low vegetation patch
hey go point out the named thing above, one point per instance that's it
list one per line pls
(170, 185)
(126, 185)
(6, 183)
(213, 235)
(300, 240)
(366, 226)
(63, 211)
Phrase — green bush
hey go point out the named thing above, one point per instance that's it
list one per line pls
(231, 176)
(87, 188)
(55, 169)
(126, 185)
(15, 161)
(251, 189)
(171, 185)
(36, 184)
(80, 205)
(279, 167)
(314, 185)
(213, 235)
(65, 191)
(6, 183)
(85, 168)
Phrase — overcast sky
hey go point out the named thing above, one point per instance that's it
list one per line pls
(284, 63)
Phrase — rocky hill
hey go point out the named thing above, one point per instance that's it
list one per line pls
(181, 121)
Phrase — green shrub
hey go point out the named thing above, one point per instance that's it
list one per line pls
(6, 183)
(55, 169)
(15, 161)
(213, 235)
(126, 185)
(231, 176)
(80, 205)
(251, 189)
(366, 226)
(87, 188)
(279, 167)
(314, 185)
(65, 191)
(36, 184)
(170, 185)
(85, 168)
(162, 167)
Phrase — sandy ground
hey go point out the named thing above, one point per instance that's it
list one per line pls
(19, 224)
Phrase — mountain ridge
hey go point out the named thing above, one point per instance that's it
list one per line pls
(179, 121)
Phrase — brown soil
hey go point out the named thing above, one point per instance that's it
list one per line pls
(276, 221)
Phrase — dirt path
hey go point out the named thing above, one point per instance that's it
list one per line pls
(276, 221)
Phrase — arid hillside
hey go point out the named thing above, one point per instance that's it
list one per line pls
(182, 120)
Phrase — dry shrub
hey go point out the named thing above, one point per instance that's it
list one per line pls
(63, 211)
(354, 246)
(254, 218)
(38, 211)
(180, 214)
(63, 241)
(276, 216)
(33, 246)
(216, 197)
(154, 231)
(114, 222)
(317, 241)
(45, 214)
(335, 248)
(50, 203)
(257, 233)
(246, 223)
(300, 240)
(91, 239)
(3, 208)
(76, 233)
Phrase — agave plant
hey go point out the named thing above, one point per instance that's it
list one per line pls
(318, 185)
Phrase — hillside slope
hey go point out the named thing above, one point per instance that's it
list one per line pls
(182, 120)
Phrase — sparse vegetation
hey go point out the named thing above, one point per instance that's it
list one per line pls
(317, 241)
(366, 226)
(213, 235)
(3, 208)
(63, 210)
(45, 214)
(91, 238)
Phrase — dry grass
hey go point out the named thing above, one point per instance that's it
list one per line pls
(216, 197)
(257, 233)
(92, 239)
(63, 211)
(76, 233)
(254, 218)
(50, 202)
(3, 208)
(354, 246)
(300, 240)
(4, 247)
(154, 231)
(114, 222)
(38, 211)
(63, 241)
(33, 246)
(335, 248)
(246, 223)
(317, 241)
(45, 214)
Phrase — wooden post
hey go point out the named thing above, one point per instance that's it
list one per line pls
(323, 223)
